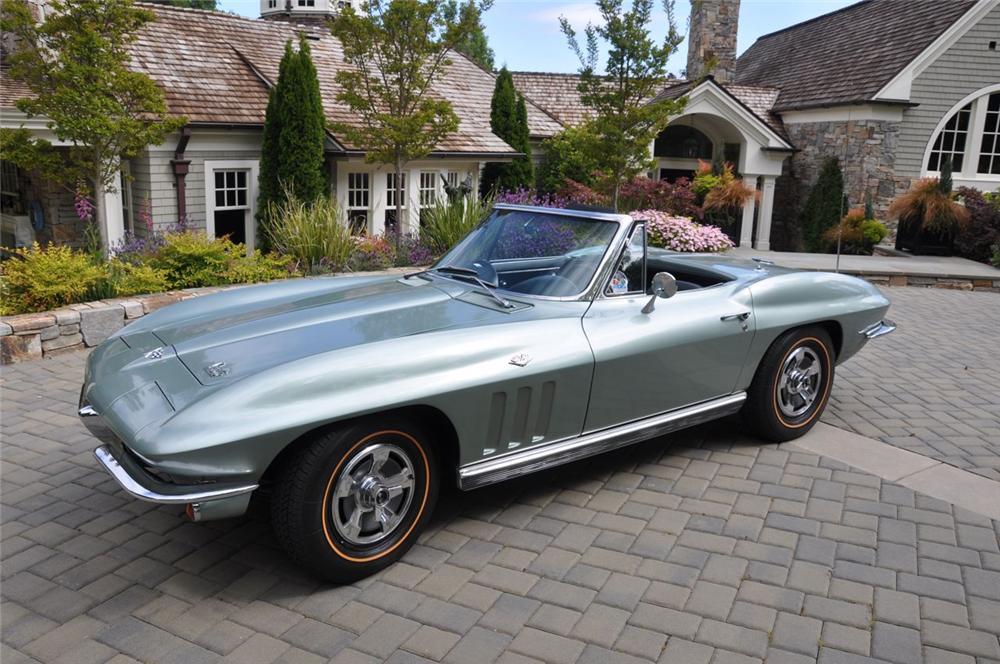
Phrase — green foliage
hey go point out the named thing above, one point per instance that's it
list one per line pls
(824, 206)
(39, 278)
(314, 236)
(945, 182)
(568, 155)
(475, 46)
(856, 233)
(370, 253)
(192, 259)
(449, 221)
(628, 116)
(257, 267)
(509, 121)
(75, 63)
(869, 207)
(294, 135)
(927, 207)
(397, 49)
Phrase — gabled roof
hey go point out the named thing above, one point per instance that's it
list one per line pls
(216, 68)
(846, 56)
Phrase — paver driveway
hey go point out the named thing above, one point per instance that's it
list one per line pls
(933, 386)
(702, 547)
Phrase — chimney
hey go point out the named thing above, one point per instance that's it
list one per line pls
(712, 42)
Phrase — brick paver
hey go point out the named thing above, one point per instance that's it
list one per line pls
(704, 547)
(932, 386)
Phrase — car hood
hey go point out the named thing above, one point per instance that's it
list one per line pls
(231, 335)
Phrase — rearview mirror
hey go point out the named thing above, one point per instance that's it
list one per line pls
(664, 285)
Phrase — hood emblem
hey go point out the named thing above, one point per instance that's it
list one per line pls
(520, 360)
(217, 370)
(155, 354)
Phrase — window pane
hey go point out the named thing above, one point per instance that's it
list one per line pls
(220, 198)
(241, 197)
(231, 198)
(219, 178)
(230, 179)
(241, 179)
(950, 143)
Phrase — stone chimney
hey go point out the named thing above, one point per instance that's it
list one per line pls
(712, 42)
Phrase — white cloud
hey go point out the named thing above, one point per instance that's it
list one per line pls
(578, 14)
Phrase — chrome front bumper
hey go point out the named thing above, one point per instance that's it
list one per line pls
(134, 488)
(138, 483)
(881, 328)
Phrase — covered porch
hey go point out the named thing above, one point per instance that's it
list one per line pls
(718, 122)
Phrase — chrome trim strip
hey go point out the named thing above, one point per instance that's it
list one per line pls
(131, 486)
(556, 453)
(878, 329)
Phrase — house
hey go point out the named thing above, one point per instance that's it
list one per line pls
(215, 70)
(890, 88)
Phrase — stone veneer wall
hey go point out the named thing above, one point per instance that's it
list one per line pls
(866, 150)
(714, 25)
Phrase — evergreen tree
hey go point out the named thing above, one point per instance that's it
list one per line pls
(294, 134)
(509, 121)
(869, 206)
(945, 183)
(824, 207)
(474, 45)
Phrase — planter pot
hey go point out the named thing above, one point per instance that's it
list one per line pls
(921, 241)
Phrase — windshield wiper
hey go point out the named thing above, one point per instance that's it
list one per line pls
(469, 272)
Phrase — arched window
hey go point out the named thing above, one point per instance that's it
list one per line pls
(970, 138)
(682, 142)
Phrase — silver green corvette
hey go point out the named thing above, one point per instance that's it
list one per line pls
(543, 337)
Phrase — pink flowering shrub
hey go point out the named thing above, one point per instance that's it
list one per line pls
(681, 233)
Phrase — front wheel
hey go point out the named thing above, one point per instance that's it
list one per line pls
(356, 499)
(792, 385)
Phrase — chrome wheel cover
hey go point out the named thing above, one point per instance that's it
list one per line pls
(799, 382)
(372, 494)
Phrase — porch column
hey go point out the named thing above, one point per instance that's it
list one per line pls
(113, 214)
(746, 227)
(766, 210)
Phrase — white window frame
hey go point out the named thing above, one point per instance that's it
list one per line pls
(367, 206)
(390, 190)
(434, 191)
(251, 165)
(973, 143)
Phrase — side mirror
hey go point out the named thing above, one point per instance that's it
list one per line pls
(664, 285)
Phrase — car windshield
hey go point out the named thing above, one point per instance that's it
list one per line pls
(533, 253)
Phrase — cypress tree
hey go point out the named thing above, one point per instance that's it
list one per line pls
(946, 183)
(824, 206)
(294, 134)
(509, 121)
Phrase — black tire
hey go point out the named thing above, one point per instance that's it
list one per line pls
(770, 408)
(313, 525)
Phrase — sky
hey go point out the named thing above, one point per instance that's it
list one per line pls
(525, 34)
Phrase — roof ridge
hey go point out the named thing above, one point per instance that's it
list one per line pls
(230, 16)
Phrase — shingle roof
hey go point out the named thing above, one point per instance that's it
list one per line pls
(215, 68)
(847, 55)
(556, 93)
(11, 89)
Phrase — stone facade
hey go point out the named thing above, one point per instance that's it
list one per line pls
(867, 153)
(714, 25)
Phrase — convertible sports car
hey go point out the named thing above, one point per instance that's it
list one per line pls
(543, 337)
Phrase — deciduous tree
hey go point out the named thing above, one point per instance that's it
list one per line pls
(627, 114)
(75, 62)
(475, 46)
(397, 49)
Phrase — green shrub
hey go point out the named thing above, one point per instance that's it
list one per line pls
(996, 255)
(313, 235)
(39, 278)
(130, 279)
(824, 207)
(257, 267)
(855, 233)
(449, 221)
(192, 259)
(568, 155)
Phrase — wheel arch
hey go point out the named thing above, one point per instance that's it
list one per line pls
(432, 421)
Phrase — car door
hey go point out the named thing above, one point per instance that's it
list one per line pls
(690, 348)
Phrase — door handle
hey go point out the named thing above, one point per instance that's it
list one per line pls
(743, 315)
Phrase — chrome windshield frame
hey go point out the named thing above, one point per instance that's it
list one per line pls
(601, 273)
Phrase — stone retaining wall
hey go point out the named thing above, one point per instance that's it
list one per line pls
(33, 336)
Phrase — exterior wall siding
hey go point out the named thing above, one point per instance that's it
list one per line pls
(963, 69)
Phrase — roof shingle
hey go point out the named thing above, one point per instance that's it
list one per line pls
(846, 56)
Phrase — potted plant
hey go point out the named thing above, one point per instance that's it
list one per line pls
(929, 216)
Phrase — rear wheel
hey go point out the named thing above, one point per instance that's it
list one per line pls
(356, 499)
(792, 385)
